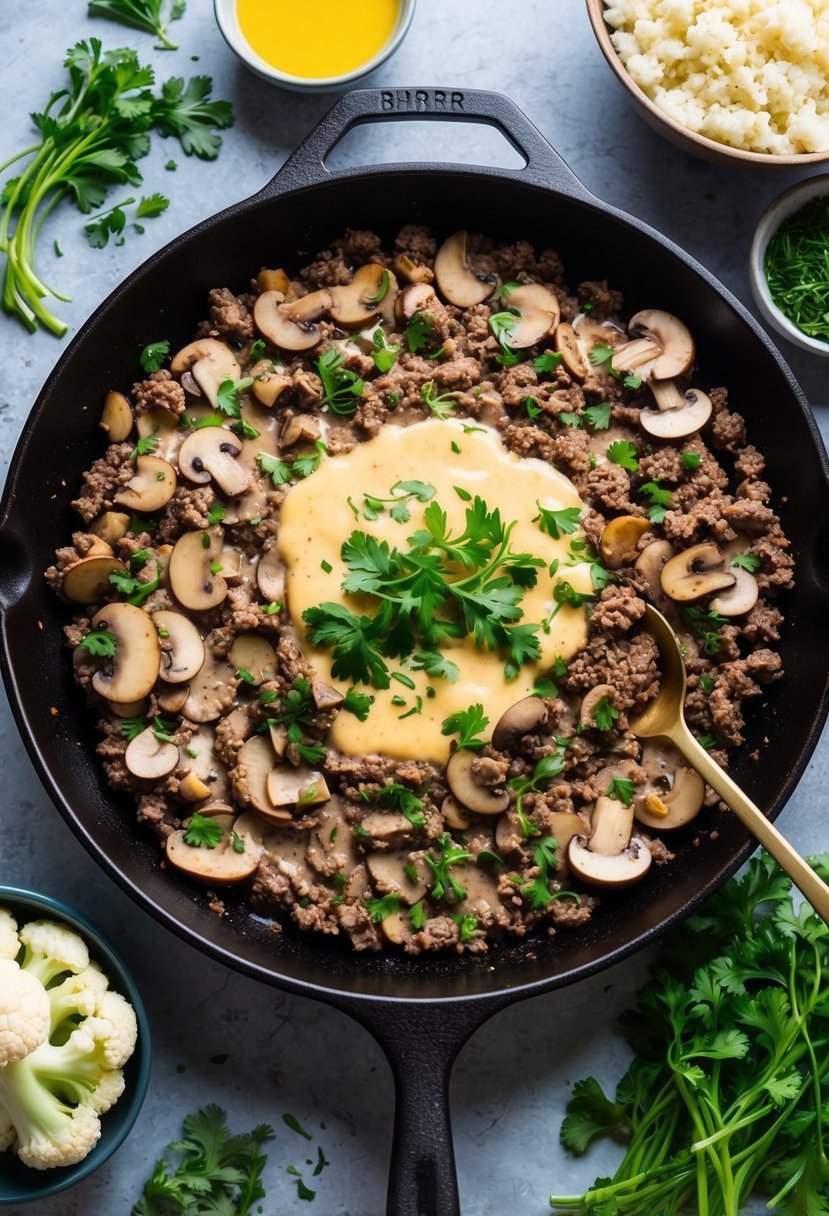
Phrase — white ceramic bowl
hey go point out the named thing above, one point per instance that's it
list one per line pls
(785, 205)
(228, 22)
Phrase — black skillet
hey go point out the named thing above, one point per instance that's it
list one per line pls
(420, 1010)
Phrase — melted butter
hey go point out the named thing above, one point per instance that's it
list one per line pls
(317, 38)
(316, 520)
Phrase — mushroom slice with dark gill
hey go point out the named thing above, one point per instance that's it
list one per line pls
(695, 572)
(358, 302)
(194, 579)
(523, 718)
(456, 279)
(213, 452)
(687, 417)
(150, 488)
(182, 648)
(210, 363)
(612, 856)
(291, 326)
(134, 669)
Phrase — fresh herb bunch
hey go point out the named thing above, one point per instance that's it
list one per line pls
(796, 266)
(421, 601)
(143, 15)
(91, 135)
(216, 1172)
(728, 1094)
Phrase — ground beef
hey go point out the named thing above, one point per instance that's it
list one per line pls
(332, 875)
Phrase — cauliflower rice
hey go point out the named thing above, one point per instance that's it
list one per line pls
(750, 73)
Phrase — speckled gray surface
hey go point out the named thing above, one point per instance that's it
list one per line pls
(219, 1037)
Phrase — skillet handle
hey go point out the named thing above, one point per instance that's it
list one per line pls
(421, 1041)
(306, 166)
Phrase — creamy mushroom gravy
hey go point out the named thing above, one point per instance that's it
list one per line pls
(316, 521)
(359, 398)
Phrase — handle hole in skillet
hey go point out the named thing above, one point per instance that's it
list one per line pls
(463, 143)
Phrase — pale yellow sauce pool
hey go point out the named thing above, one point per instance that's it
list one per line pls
(317, 38)
(316, 520)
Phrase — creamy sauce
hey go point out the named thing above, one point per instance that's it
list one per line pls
(316, 520)
(317, 38)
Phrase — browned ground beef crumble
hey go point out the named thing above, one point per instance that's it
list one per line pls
(716, 494)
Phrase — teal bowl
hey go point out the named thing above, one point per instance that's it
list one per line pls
(19, 1183)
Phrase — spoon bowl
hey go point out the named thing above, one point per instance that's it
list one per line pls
(664, 719)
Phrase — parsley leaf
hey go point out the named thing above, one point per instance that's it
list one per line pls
(379, 909)
(445, 886)
(340, 387)
(746, 561)
(202, 832)
(99, 642)
(622, 789)
(143, 15)
(623, 453)
(187, 113)
(548, 362)
(467, 723)
(604, 715)
(546, 769)
(419, 332)
(283, 471)
(441, 404)
(397, 797)
(358, 703)
(228, 394)
(153, 355)
(691, 460)
(660, 500)
(557, 523)
(383, 354)
(598, 416)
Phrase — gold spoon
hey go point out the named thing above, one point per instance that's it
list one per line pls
(663, 719)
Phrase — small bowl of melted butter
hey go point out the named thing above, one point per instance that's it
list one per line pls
(314, 44)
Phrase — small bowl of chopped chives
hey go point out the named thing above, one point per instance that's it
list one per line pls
(789, 264)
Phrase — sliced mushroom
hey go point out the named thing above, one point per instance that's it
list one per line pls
(198, 757)
(171, 698)
(666, 395)
(740, 598)
(291, 326)
(300, 787)
(269, 382)
(611, 825)
(670, 807)
(213, 451)
(233, 565)
(358, 301)
(164, 428)
(481, 799)
(695, 572)
(454, 815)
(599, 870)
(591, 700)
(279, 738)
(254, 655)
(192, 789)
(88, 580)
(326, 696)
(134, 670)
(388, 869)
(149, 758)
(538, 312)
(671, 335)
(397, 928)
(111, 526)
(388, 826)
(212, 690)
(224, 864)
(523, 718)
(272, 280)
(567, 344)
(301, 428)
(270, 575)
(250, 777)
(651, 562)
(678, 423)
(633, 354)
(210, 363)
(128, 709)
(619, 539)
(182, 649)
(418, 298)
(116, 417)
(151, 487)
(457, 281)
(194, 582)
(412, 272)
(564, 825)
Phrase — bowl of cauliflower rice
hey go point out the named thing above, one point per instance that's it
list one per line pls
(74, 1048)
(743, 81)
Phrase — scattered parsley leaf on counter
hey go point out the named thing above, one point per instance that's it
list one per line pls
(143, 15)
(151, 207)
(202, 832)
(91, 134)
(746, 561)
(468, 724)
(294, 1124)
(216, 1170)
(99, 642)
(153, 355)
(623, 453)
(106, 224)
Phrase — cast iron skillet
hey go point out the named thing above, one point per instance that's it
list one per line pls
(420, 1010)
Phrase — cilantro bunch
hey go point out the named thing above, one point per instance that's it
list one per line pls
(443, 586)
(91, 134)
(728, 1094)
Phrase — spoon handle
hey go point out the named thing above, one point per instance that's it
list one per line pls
(811, 886)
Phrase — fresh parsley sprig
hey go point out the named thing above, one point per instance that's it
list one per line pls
(468, 725)
(340, 387)
(445, 886)
(146, 15)
(545, 770)
(283, 471)
(100, 642)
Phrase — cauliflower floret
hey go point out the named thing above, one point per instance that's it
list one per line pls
(9, 941)
(51, 949)
(24, 1013)
(77, 994)
(116, 1024)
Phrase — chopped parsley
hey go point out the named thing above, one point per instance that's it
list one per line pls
(341, 387)
(283, 471)
(557, 523)
(153, 355)
(604, 715)
(99, 642)
(203, 832)
(468, 724)
(622, 789)
(623, 453)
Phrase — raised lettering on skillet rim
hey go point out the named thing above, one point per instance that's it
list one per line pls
(227, 18)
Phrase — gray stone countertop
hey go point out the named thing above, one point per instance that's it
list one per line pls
(218, 1036)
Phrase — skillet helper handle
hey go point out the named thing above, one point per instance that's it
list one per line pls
(810, 885)
(306, 166)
